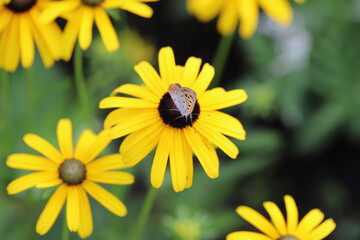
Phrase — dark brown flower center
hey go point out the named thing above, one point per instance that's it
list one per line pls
(72, 172)
(20, 6)
(288, 237)
(92, 3)
(172, 116)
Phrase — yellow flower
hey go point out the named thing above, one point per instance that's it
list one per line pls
(81, 15)
(309, 228)
(20, 31)
(178, 128)
(246, 12)
(75, 173)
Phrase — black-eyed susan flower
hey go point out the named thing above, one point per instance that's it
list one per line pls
(174, 112)
(75, 173)
(310, 227)
(81, 16)
(246, 12)
(20, 31)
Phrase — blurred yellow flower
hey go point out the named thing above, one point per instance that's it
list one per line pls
(175, 113)
(246, 12)
(75, 171)
(20, 31)
(81, 15)
(309, 228)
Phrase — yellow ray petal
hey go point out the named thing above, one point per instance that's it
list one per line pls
(188, 161)
(227, 99)
(120, 178)
(218, 139)
(64, 135)
(223, 123)
(177, 162)
(10, 45)
(72, 208)
(30, 180)
(292, 215)
(85, 141)
(323, 230)
(248, 11)
(56, 9)
(137, 91)
(191, 71)
(105, 198)
(30, 162)
(6, 16)
(122, 115)
(86, 220)
(44, 147)
(106, 29)
(310, 221)
(86, 26)
(50, 183)
(258, 221)
(247, 235)
(167, 65)
(101, 141)
(132, 123)
(137, 8)
(109, 162)
(51, 210)
(279, 10)
(140, 143)
(204, 79)
(207, 159)
(124, 102)
(276, 217)
(161, 157)
(70, 33)
(27, 48)
(151, 78)
(228, 18)
(213, 7)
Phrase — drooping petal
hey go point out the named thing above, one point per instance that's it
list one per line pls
(108, 162)
(71, 32)
(276, 217)
(101, 141)
(85, 141)
(106, 29)
(64, 135)
(311, 220)
(120, 178)
(248, 11)
(258, 221)
(247, 235)
(228, 18)
(191, 71)
(6, 17)
(279, 10)
(86, 220)
(161, 157)
(72, 208)
(177, 162)
(10, 45)
(86, 26)
(137, 8)
(44, 147)
(30, 162)
(105, 198)
(51, 210)
(151, 78)
(167, 65)
(204, 79)
(137, 91)
(30, 180)
(27, 48)
(292, 215)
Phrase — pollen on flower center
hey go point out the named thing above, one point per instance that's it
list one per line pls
(72, 171)
(19, 6)
(288, 237)
(179, 107)
(92, 3)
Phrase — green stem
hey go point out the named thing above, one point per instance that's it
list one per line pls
(79, 78)
(144, 214)
(221, 56)
(65, 231)
(30, 92)
(4, 97)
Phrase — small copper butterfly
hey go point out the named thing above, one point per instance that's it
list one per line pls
(184, 99)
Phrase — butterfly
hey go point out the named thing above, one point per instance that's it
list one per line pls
(184, 99)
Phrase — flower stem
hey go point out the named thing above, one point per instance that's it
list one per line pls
(221, 56)
(4, 97)
(65, 231)
(30, 92)
(79, 78)
(144, 214)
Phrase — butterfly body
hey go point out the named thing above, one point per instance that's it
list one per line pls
(184, 99)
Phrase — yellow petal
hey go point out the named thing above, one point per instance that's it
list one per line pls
(279, 10)
(50, 183)
(124, 102)
(85, 141)
(247, 236)
(101, 141)
(167, 65)
(56, 9)
(276, 217)
(64, 135)
(30, 162)
(86, 220)
(228, 18)
(51, 210)
(137, 8)
(248, 11)
(151, 78)
(205, 11)
(6, 16)
(191, 71)
(208, 160)
(137, 91)
(188, 155)
(323, 230)
(210, 101)
(177, 162)
(258, 221)
(86, 26)
(105, 198)
(109, 162)
(120, 178)
(204, 79)
(44, 147)
(106, 29)
(27, 48)
(71, 32)
(10, 45)
(161, 157)
(30, 180)
(310, 221)
(72, 208)
(292, 215)
(122, 115)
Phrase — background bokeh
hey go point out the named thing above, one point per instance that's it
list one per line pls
(302, 120)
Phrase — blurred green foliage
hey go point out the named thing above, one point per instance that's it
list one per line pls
(302, 121)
